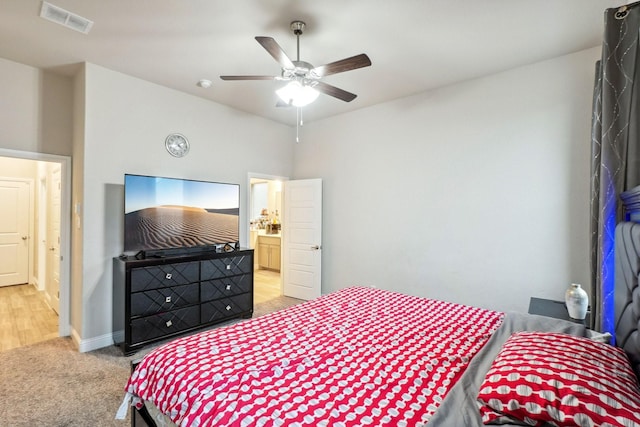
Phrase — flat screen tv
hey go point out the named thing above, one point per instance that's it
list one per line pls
(170, 213)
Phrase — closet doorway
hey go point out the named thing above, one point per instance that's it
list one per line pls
(265, 215)
(30, 296)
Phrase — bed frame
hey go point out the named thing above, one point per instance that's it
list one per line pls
(140, 417)
(627, 292)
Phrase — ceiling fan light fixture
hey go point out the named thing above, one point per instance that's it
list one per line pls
(297, 94)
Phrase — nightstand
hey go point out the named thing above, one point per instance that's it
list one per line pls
(555, 309)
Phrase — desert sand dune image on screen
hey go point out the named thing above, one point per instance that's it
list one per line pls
(163, 227)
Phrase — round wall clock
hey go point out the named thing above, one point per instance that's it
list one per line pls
(177, 145)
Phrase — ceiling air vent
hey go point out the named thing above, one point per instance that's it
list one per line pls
(65, 18)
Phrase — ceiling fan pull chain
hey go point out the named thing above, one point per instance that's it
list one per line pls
(297, 125)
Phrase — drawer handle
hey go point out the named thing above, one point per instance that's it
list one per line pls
(228, 287)
(168, 276)
(167, 299)
(228, 307)
(169, 323)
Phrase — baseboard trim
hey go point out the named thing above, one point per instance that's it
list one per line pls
(47, 298)
(118, 336)
(36, 283)
(75, 337)
(90, 344)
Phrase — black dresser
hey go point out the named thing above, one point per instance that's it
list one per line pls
(157, 298)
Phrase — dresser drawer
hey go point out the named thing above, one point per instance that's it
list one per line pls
(163, 299)
(222, 308)
(226, 287)
(159, 276)
(224, 267)
(161, 324)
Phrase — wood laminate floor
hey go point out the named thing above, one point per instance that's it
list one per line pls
(25, 317)
(266, 285)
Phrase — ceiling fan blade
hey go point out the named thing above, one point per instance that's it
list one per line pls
(347, 64)
(335, 92)
(276, 51)
(248, 77)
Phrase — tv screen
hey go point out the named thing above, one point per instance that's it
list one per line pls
(171, 213)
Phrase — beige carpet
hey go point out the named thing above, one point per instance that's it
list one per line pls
(51, 384)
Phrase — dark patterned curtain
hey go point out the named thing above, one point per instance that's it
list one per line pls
(615, 150)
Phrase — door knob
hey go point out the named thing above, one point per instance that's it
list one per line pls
(52, 249)
(24, 237)
(315, 247)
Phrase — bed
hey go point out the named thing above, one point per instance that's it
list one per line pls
(364, 356)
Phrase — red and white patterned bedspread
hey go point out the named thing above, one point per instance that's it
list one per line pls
(359, 356)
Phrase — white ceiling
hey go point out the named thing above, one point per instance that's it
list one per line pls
(414, 45)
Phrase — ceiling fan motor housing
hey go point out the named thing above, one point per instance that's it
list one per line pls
(301, 69)
(297, 27)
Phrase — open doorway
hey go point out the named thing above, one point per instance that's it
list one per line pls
(265, 213)
(34, 290)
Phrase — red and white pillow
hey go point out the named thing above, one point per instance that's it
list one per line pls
(555, 378)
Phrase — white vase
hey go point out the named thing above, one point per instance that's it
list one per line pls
(577, 301)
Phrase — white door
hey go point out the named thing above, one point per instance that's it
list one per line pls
(14, 233)
(302, 238)
(52, 287)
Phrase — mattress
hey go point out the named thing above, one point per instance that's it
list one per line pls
(360, 356)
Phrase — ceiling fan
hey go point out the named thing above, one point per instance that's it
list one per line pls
(304, 79)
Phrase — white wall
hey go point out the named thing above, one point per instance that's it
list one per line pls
(111, 124)
(77, 191)
(476, 193)
(36, 109)
(18, 168)
(126, 123)
(36, 122)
